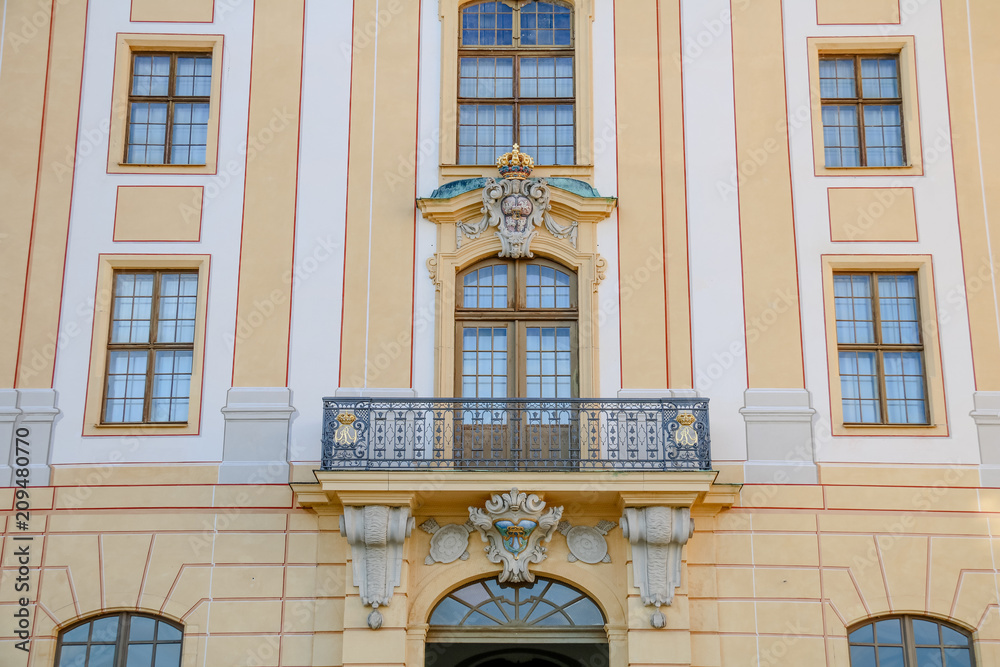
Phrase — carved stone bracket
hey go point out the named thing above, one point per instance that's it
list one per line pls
(514, 526)
(600, 272)
(657, 535)
(432, 271)
(449, 542)
(376, 534)
(586, 543)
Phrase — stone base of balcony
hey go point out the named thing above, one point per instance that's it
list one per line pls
(434, 490)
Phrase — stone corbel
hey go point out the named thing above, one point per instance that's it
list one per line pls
(376, 534)
(657, 535)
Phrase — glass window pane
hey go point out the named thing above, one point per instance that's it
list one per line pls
(167, 655)
(78, 634)
(141, 628)
(888, 632)
(73, 656)
(890, 656)
(863, 635)
(139, 655)
(863, 656)
(956, 657)
(952, 637)
(167, 633)
(101, 655)
(836, 77)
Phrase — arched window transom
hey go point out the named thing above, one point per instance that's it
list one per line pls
(910, 641)
(545, 603)
(121, 640)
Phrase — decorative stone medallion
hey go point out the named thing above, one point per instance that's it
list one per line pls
(449, 542)
(514, 525)
(587, 543)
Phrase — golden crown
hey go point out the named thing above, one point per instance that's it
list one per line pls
(686, 419)
(515, 165)
(345, 418)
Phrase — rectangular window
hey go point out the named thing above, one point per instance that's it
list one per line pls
(168, 108)
(516, 83)
(862, 111)
(150, 347)
(880, 348)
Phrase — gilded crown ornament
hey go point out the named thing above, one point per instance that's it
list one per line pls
(345, 435)
(515, 165)
(516, 205)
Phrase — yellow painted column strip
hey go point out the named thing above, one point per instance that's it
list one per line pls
(263, 306)
(975, 139)
(22, 91)
(640, 193)
(767, 229)
(40, 321)
(378, 270)
(672, 150)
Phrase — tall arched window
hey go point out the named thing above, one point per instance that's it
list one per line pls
(516, 81)
(910, 641)
(516, 338)
(121, 640)
(517, 331)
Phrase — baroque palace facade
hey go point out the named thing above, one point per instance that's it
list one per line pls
(480, 333)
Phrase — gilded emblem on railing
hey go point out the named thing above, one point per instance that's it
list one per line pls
(514, 525)
(686, 435)
(345, 435)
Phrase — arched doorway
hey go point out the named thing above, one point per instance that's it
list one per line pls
(543, 624)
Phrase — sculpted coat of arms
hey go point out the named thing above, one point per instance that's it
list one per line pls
(514, 525)
(516, 206)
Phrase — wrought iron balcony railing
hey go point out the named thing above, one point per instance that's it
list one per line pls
(516, 434)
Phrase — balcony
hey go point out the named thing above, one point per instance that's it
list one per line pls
(515, 434)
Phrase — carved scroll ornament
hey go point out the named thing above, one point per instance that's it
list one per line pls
(516, 208)
(514, 525)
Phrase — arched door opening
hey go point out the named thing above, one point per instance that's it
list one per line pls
(543, 624)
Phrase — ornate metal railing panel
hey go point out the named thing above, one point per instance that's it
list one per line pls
(516, 434)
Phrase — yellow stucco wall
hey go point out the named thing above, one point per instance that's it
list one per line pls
(178, 11)
(767, 234)
(973, 61)
(872, 214)
(252, 577)
(855, 12)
